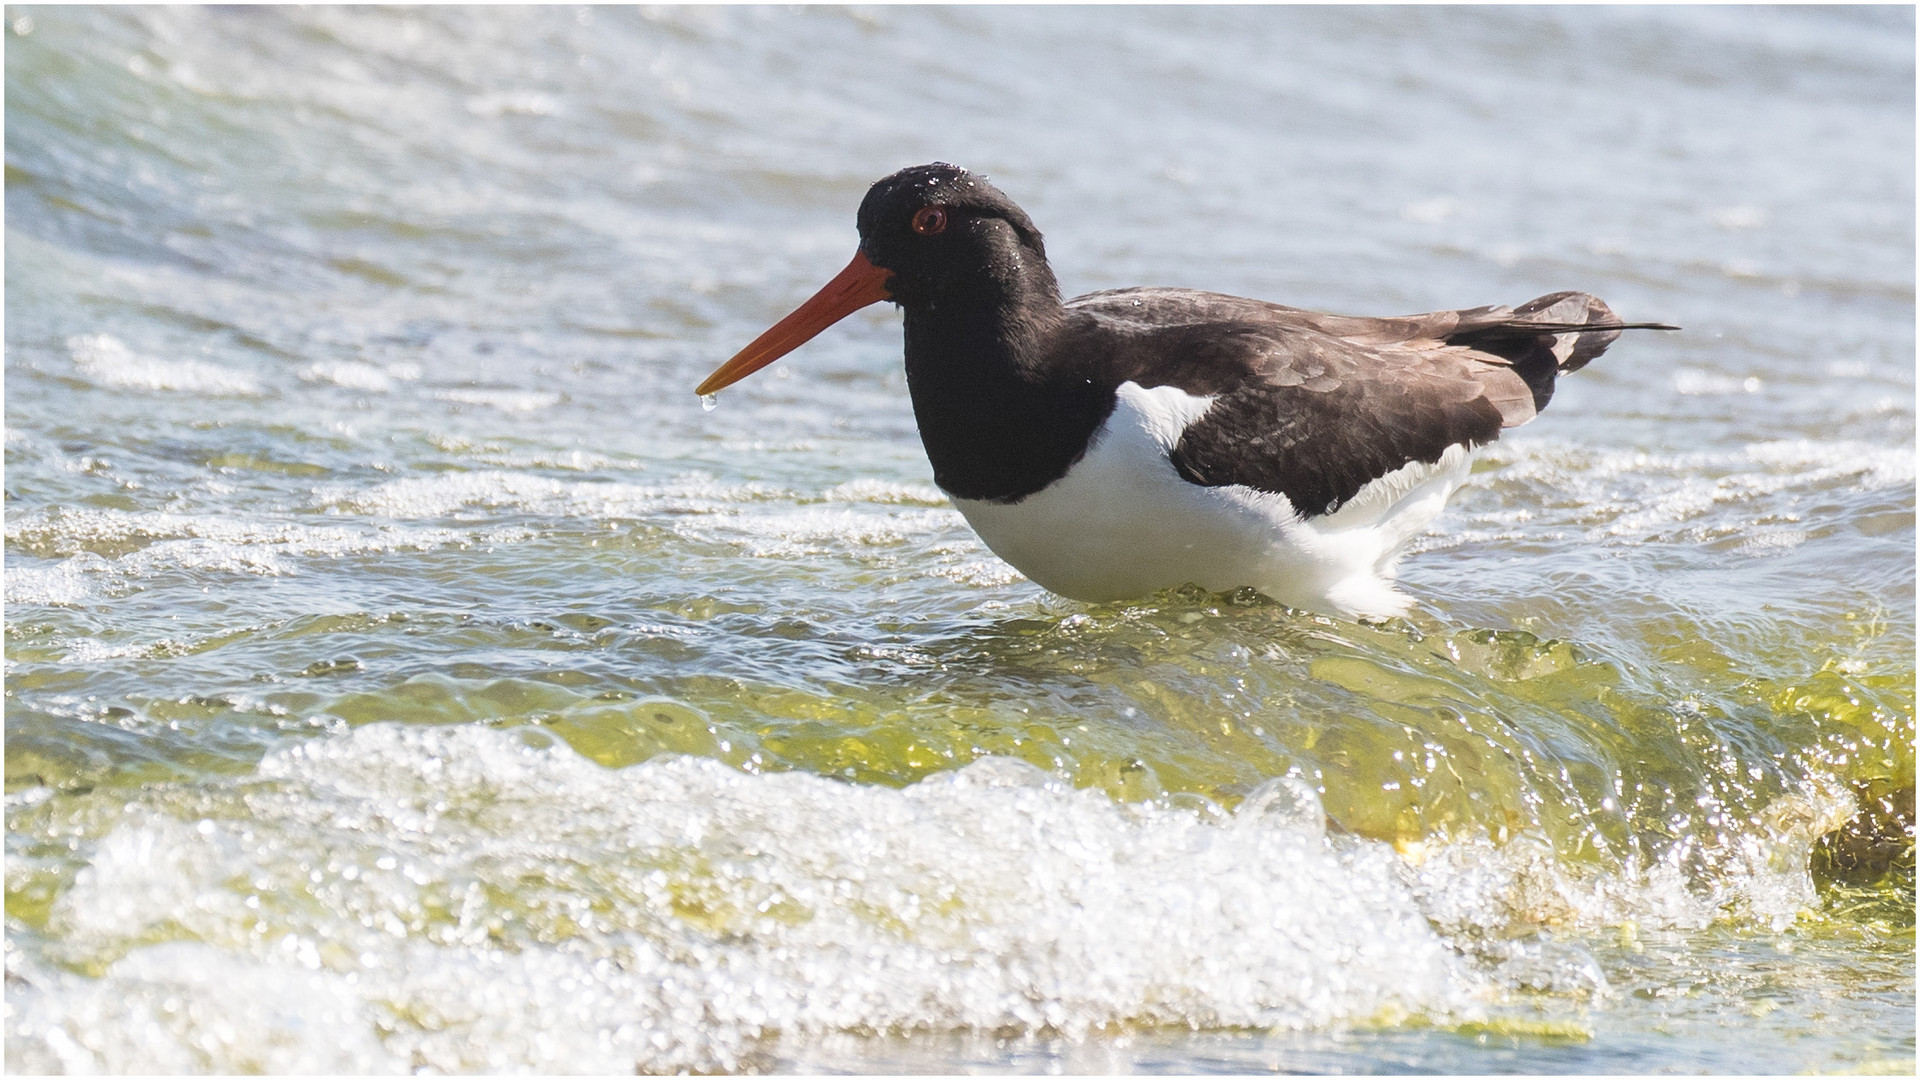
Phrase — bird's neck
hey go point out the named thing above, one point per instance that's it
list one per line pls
(1002, 402)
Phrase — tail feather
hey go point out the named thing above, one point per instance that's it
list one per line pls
(1547, 337)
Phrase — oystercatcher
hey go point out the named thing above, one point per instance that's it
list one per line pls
(1131, 440)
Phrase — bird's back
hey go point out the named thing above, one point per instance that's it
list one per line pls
(1316, 406)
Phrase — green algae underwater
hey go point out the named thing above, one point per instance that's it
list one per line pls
(404, 672)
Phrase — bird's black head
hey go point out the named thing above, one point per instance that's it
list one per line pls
(946, 234)
(942, 243)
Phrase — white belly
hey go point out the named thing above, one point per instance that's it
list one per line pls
(1122, 523)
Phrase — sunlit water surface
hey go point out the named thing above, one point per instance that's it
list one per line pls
(404, 671)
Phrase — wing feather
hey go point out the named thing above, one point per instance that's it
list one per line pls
(1315, 406)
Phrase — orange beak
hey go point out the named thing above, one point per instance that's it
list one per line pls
(860, 284)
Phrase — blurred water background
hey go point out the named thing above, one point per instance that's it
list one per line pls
(404, 672)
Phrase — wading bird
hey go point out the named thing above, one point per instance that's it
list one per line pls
(1131, 440)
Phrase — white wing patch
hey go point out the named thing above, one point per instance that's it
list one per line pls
(1123, 523)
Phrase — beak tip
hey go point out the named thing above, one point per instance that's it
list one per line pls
(860, 284)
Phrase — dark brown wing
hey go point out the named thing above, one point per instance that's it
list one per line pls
(1315, 406)
(1318, 416)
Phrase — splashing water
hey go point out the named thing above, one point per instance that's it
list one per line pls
(399, 677)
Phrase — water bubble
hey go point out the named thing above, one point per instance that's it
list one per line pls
(1286, 801)
(709, 402)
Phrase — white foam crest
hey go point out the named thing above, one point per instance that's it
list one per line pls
(88, 575)
(1790, 460)
(1739, 217)
(461, 899)
(582, 461)
(817, 530)
(185, 1008)
(358, 375)
(979, 572)
(760, 519)
(67, 582)
(886, 492)
(106, 361)
(442, 494)
(1881, 466)
(93, 651)
(1693, 383)
(510, 401)
(516, 102)
(75, 529)
(163, 542)
(1626, 496)
(1474, 891)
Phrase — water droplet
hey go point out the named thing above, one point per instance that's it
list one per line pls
(709, 402)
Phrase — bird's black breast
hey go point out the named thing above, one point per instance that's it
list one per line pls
(997, 431)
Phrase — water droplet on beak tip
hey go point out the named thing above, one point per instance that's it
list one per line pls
(709, 402)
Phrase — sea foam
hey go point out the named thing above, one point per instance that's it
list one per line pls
(472, 899)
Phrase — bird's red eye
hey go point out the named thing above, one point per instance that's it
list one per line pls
(929, 220)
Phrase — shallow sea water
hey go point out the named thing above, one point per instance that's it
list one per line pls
(403, 671)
